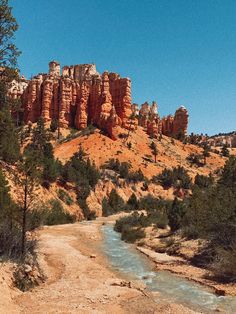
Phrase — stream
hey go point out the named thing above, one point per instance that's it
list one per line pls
(130, 263)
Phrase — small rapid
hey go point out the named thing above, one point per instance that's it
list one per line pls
(125, 259)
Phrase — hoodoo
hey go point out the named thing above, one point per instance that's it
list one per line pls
(81, 96)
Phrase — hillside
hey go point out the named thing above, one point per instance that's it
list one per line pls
(171, 152)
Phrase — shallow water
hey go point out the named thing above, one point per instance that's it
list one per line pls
(128, 261)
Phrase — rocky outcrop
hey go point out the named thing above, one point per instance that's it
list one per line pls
(78, 97)
(174, 126)
(81, 96)
(180, 123)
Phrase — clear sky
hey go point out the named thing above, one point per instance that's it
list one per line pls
(177, 52)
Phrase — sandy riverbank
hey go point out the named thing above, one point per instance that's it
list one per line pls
(182, 267)
(78, 279)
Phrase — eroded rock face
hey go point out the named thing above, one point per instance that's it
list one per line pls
(81, 96)
(180, 123)
(78, 97)
(173, 126)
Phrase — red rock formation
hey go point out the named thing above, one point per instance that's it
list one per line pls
(171, 126)
(78, 97)
(47, 98)
(112, 124)
(167, 125)
(81, 118)
(106, 104)
(81, 96)
(180, 123)
(65, 101)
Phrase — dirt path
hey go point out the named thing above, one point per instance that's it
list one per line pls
(79, 280)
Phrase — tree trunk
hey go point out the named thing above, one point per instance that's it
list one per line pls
(24, 210)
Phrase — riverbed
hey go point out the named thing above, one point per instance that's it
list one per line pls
(125, 259)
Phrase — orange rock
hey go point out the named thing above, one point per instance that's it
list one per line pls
(180, 123)
(81, 96)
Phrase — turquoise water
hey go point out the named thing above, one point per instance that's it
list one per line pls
(128, 261)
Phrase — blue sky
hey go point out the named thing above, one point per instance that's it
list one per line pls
(177, 52)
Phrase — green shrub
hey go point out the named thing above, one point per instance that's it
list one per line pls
(224, 263)
(65, 197)
(133, 202)
(225, 151)
(55, 214)
(131, 220)
(195, 159)
(54, 125)
(162, 220)
(203, 181)
(113, 204)
(176, 213)
(136, 176)
(132, 235)
(178, 178)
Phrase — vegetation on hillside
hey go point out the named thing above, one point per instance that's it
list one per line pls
(209, 213)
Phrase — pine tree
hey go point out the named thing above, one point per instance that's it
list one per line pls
(206, 152)
(133, 202)
(154, 150)
(5, 199)
(9, 145)
(225, 151)
(26, 181)
(8, 26)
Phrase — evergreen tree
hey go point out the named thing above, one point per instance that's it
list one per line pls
(228, 176)
(9, 145)
(206, 152)
(8, 26)
(176, 214)
(6, 203)
(133, 202)
(53, 125)
(81, 153)
(115, 201)
(203, 181)
(26, 180)
(154, 150)
(225, 151)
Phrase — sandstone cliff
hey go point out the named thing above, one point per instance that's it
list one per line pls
(80, 96)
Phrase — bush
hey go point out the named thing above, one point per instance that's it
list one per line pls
(65, 197)
(80, 171)
(161, 220)
(195, 159)
(89, 215)
(123, 168)
(176, 213)
(130, 227)
(107, 210)
(136, 176)
(55, 214)
(132, 235)
(178, 178)
(152, 204)
(53, 125)
(203, 181)
(225, 151)
(224, 263)
(133, 202)
(113, 204)
(10, 241)
(131, 220)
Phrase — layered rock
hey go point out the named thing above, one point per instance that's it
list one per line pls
(81, 96)
(174, 126)
(180, 124)
(78, 97)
